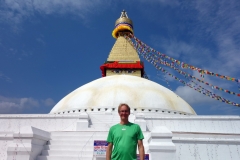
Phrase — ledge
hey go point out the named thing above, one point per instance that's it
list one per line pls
(42, 116)
(32, 132)
(192, 117)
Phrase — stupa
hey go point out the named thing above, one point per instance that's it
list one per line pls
(122, 82)
(81, 119)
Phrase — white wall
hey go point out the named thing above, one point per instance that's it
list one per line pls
(195, 151)
(195, 137)
(213, 124)
(47, 122)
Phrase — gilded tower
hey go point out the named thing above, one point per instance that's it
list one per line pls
(123, 58)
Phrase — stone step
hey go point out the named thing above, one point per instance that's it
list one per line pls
(79, 137)
(79, 133)
(100, 129)
(64, 158)
(83, 133)
(67, 152)
(75, 145)
(69, 147)
(73, 142)
(100, 125)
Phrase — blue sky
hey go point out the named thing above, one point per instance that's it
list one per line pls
(49, 48)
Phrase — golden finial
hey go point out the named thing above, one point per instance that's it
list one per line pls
(122, 24)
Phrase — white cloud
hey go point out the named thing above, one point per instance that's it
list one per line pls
(48, 102)
(173, 47)
(190, 53)
(192, 96)
(15, 105)
(221, 20)
(28, 102)
(16, 11)
(19, 105)
(217, 23)
(4, 77)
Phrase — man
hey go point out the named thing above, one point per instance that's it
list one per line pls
(125, 137)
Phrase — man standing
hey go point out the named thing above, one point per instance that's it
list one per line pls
(125, 137)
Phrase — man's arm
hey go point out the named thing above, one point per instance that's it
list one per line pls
(141, 150)
(109, 151)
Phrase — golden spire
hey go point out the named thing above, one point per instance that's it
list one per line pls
(122, 24)
(123, 58)
(122, 49)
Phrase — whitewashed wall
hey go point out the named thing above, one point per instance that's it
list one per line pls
(201, 137)
(5, 139)
(195, 137)
(47, 122)
(194, 151)
(212, 124)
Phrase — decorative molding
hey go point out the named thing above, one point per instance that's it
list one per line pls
(161, 145)
(27, 144)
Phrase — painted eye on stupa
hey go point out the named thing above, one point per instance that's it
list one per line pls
(116, 71)
(130, 71)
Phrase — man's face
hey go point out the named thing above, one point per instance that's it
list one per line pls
(124, 112)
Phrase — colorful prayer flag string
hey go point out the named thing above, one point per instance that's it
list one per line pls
(159, 60)
(202, 90)
(199, 80)
(183, 65)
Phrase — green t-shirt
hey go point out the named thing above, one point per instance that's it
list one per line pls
(124, 139)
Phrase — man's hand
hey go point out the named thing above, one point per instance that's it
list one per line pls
(109, 151)
(141, 150)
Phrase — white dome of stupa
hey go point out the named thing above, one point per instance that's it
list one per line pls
(108, 92)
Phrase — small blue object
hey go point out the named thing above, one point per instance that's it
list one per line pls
(145, 158)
